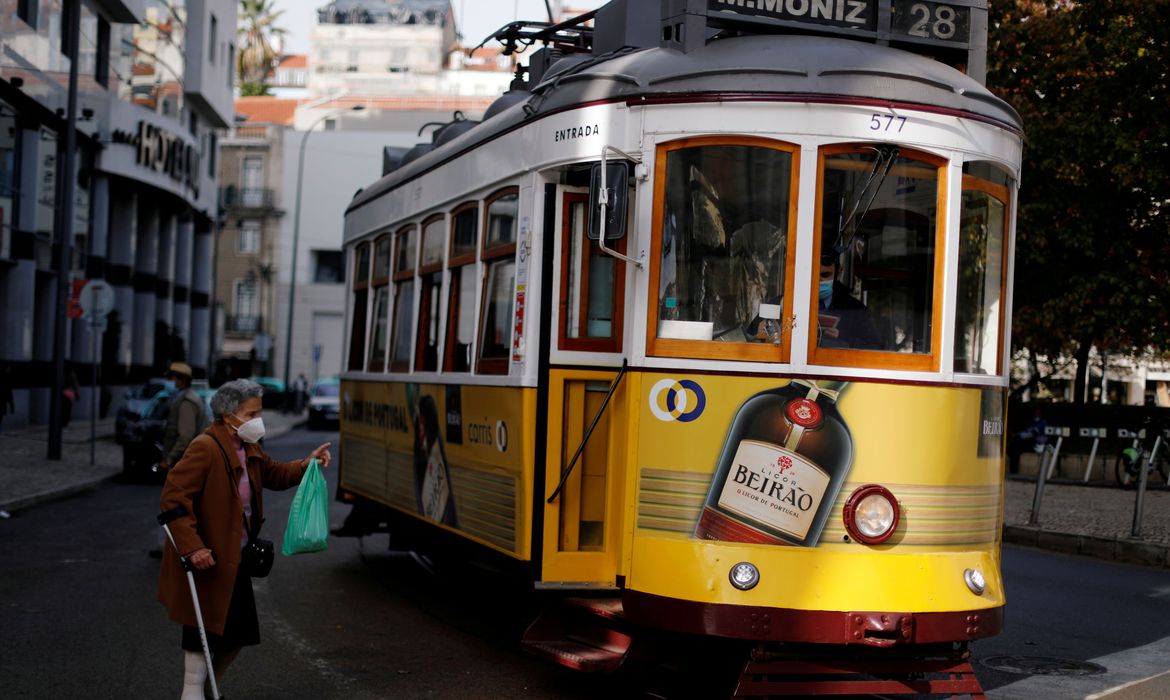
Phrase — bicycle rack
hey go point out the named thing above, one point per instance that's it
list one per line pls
(1096, 434)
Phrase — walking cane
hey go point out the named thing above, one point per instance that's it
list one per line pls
(165, 519)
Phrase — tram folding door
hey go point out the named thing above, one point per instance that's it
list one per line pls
(583, 527)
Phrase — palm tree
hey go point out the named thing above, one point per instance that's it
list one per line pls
(257, 54)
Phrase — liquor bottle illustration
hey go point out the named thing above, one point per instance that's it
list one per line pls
(432, 477)
(785, 457)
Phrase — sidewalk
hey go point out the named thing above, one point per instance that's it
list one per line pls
(28, 478)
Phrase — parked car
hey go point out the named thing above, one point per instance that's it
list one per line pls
(137, 398)
(142, 445)
(324, 403)
(274, 391)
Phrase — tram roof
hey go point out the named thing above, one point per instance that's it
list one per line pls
(783, 67)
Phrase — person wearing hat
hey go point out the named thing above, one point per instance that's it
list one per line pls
(186, 419)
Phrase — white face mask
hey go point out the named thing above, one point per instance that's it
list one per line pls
(251, 431)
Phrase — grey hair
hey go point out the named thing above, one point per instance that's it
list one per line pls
(229, 397)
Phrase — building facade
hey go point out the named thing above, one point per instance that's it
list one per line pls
(250, 166)
(154, 86)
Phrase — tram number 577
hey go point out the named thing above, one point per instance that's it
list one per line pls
(886, 122)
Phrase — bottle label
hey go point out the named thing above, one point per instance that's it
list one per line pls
(774, 487)
(434, 486)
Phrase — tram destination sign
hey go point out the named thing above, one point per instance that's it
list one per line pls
(945, 24)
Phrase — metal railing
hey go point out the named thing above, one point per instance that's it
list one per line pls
(247, 197)
(243, 324)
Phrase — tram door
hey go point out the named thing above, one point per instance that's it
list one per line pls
(582, 524)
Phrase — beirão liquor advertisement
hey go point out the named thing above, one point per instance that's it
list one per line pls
(772, 461)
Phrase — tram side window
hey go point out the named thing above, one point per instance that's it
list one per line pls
(405, 254)
(591, 286)
(724, 250)
(381, 286)
(878, 244)
(430, 270)
(461, 291)
(983, 226)
(499, 251)
(361, 283)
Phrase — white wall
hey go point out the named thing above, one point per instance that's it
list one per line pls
(337, 164)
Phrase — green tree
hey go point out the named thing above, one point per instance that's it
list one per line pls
(1093, 233)
(259, 35)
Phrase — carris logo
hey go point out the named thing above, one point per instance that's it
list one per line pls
(677, 400)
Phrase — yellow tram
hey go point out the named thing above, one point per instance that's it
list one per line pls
(706, 324)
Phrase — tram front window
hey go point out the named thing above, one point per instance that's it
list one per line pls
(723, 254)
(983, 224)
(879, 215)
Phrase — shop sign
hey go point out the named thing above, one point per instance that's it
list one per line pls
(164, 151)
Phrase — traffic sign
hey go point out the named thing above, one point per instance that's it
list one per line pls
(96, 299)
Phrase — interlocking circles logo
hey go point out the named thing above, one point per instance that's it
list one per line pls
(677, 400)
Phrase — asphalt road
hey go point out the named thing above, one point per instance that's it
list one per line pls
(79, 618)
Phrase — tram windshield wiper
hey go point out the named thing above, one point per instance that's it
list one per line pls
(886, 155)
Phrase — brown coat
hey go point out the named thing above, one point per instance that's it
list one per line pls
(200, 483)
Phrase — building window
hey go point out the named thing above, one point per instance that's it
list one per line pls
(212, 150)
(245, 305)
(327, 267)
(249, 237)
(213, 33)
(27, 11)
(252, 182)
(231, 66)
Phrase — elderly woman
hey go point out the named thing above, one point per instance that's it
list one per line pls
(219, 482)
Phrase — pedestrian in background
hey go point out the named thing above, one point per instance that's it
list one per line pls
(300, 391)
(219, 483)
(1033, 438)
(7, 405)
(69, 394)
(186, 418)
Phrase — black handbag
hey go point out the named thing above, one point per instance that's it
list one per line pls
(258, 554)
(257, 557)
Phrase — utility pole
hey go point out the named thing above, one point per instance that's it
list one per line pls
(66, 181)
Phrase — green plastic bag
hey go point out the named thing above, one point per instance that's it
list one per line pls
(308, 519)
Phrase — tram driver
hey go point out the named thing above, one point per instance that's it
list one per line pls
(842, 320)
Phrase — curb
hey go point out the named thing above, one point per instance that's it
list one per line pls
(55, 494)
(1127, 551)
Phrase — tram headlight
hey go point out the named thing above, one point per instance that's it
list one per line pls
(871, 514)
(975, 581)
(744, 575)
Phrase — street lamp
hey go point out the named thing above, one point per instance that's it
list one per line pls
(292, 282)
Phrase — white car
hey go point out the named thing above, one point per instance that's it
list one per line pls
(324, 404)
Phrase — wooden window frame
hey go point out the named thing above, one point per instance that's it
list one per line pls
(460, 260)
(422, 231)
(375, 279)
(490, 365)
(501, 250)
(377, 364)
(399, 237)
(359, 287)
(469, 269)
(358, 282)
(587, 344)
(884, 359)
(971, 183)
(419, 336)
(707, 349)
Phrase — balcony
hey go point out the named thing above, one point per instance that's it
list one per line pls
(243, 325)
(232, 197)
